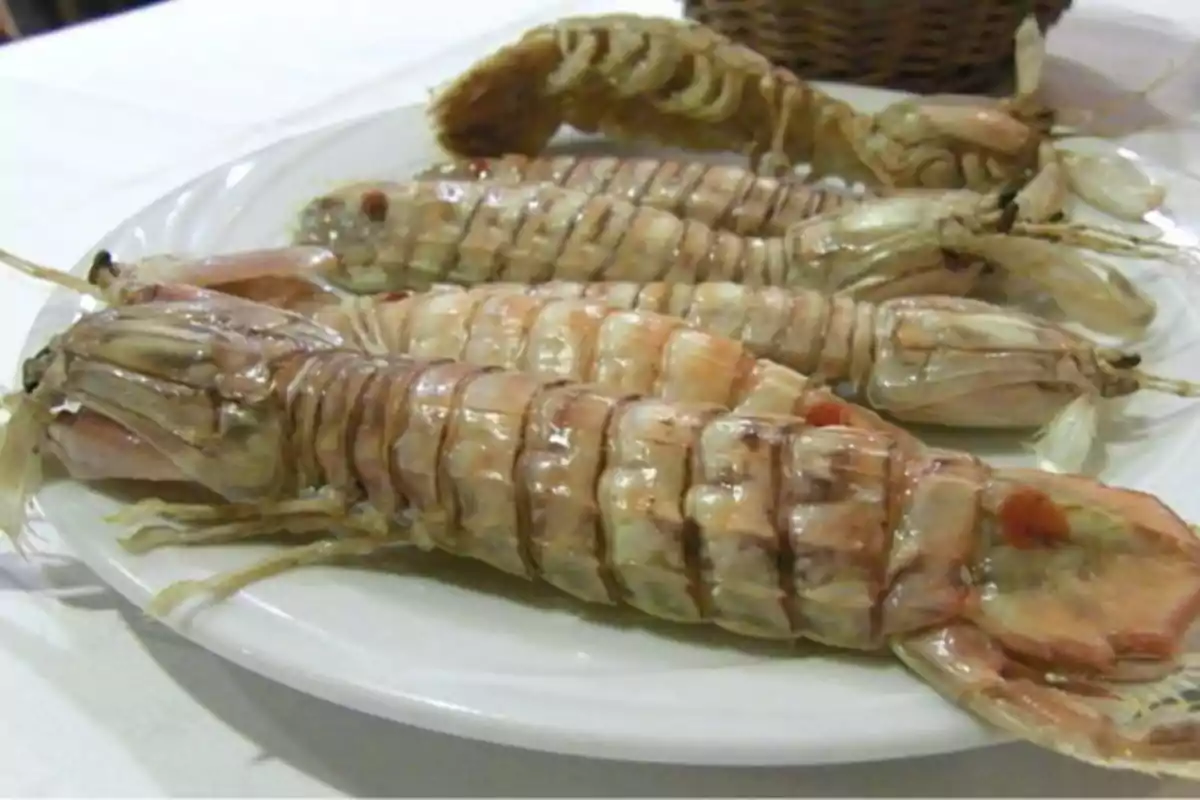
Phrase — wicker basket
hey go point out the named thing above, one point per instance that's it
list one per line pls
(916, 45)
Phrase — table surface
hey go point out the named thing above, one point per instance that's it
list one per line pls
(105, 117)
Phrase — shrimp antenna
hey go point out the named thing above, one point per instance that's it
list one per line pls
(1004, 216)
(1126, 365)
(58, 277)
(1158, 383)
(1105, 240)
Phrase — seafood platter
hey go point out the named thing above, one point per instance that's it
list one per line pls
(636, 398)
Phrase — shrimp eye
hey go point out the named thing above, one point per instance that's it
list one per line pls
(1126, 361)
(1008, 218)
(374, 205)
(103, 268)
(34, 369)
(1007, 197)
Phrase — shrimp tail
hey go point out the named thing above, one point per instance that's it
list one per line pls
(1065, 443)
(1167, 714)
(501, 105)
(1151, 727)
(1074, 631)
(1113, 184)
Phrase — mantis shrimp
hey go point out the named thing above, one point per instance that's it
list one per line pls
(678, 83)
(932, 360)
(391, 236)
(560, 338)
(1052, 606)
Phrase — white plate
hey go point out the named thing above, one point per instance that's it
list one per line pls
(466, 652)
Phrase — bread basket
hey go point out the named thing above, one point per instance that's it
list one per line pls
(926, 46)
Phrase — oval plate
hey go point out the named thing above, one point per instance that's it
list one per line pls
(457, 649)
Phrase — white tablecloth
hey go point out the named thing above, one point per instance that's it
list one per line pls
(99, 120)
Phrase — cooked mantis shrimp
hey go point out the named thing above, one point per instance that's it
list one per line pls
(678, 83)
(932, 360)
(559, 338)
(392, 236)
(552, 338)
(1052, 606)
(722, 196)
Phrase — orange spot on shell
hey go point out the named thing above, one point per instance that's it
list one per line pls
(374, 205)
(479, 167)
(1029, 519)
(826, 413)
